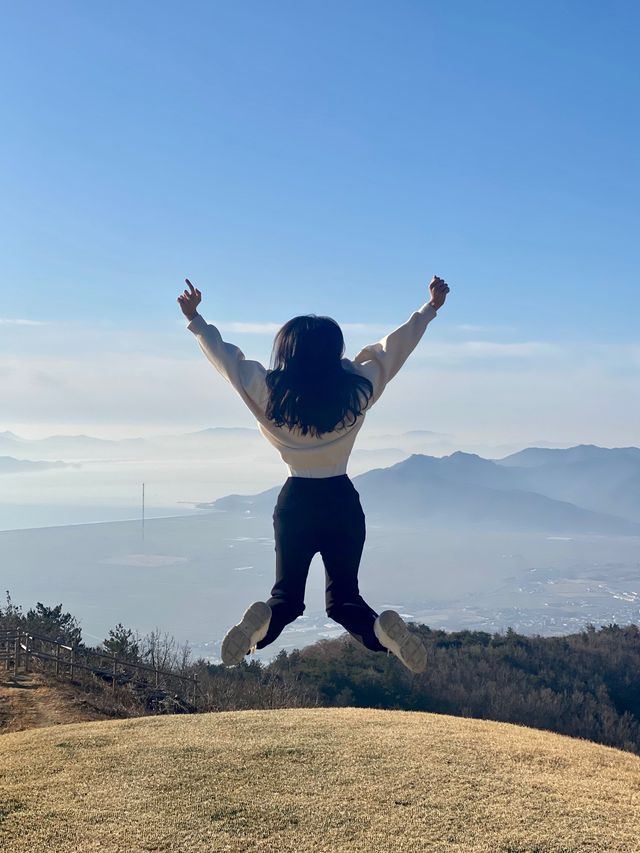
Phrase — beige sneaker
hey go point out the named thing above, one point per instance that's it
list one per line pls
(242, 638)
(394, 635)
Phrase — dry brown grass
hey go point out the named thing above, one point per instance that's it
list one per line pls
(314, 780)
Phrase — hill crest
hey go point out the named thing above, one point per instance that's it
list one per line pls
(315, 779)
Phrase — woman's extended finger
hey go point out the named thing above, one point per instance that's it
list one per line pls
(190, 285)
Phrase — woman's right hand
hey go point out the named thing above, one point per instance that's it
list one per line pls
(189, 301)
(438, 289)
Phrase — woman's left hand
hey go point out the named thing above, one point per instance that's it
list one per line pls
(189, 301)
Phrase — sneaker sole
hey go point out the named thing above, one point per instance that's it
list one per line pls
(393, 633)
(243, 636)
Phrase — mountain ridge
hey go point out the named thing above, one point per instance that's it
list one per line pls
(469, 489)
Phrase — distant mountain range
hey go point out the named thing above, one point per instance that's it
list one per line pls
(90, 447)
(598, 478)
(583, 489)
(9, 465)
(382, 448)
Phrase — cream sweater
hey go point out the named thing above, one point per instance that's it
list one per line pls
(308, 455)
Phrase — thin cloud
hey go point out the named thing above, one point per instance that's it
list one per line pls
(272, 328)
(494, 349)
(474, 327)
(17, 321)
(374, 329)
(492, 399)
(496, 352)
(249, 328)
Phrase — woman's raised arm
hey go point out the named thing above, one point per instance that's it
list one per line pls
(246, 376)
(380, 361)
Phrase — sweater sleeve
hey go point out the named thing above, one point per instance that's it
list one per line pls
(246, 376)
(381, 361)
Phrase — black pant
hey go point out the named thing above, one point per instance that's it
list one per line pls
(325, 515)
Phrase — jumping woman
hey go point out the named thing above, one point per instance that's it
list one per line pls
(310, 406)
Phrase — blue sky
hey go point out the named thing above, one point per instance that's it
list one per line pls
(330, 157)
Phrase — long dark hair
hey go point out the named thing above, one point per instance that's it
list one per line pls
(308, 386)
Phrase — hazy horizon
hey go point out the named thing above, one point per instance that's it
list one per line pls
(76, 480)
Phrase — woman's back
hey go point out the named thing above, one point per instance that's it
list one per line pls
(310, 454)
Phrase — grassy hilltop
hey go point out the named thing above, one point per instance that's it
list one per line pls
(314, 780)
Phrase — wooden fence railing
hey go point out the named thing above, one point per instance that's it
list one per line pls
(19, 648)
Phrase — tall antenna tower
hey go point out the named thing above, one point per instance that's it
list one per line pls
(143, 511)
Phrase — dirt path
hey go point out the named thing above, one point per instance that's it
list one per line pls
(31, 701)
